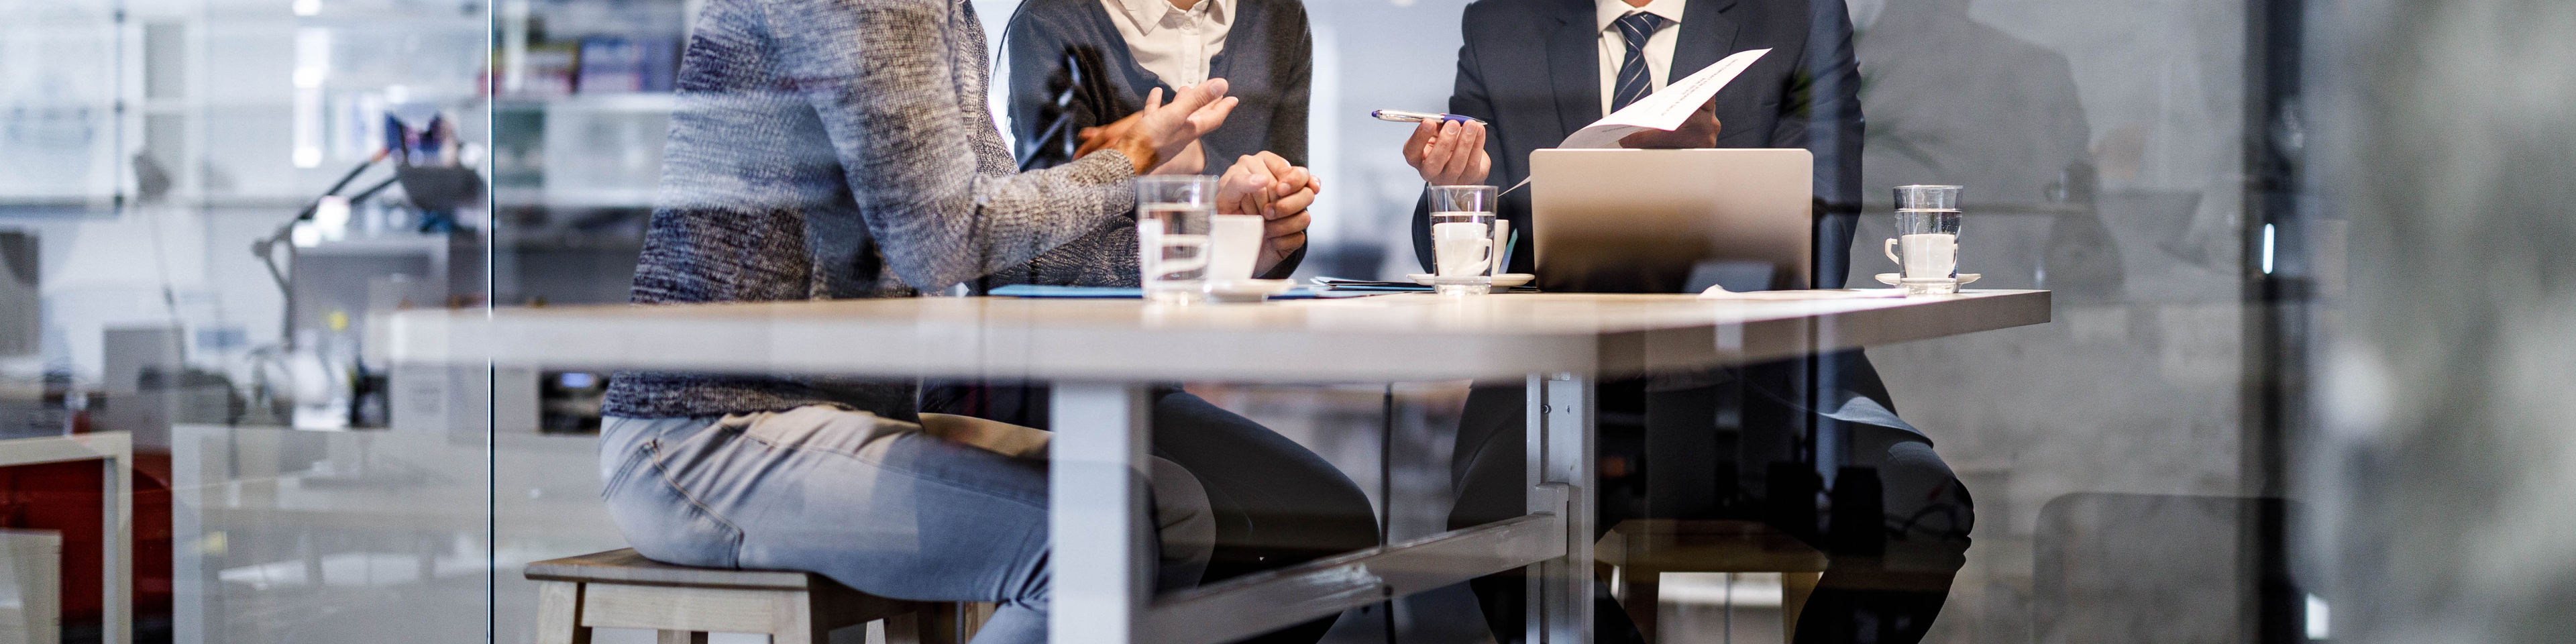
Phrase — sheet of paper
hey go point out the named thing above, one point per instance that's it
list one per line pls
(1663, 110)
(1666, 108)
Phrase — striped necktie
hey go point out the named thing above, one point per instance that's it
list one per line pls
(1634, 80)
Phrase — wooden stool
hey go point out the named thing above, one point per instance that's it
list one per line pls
(1643, 549)
(622, 589)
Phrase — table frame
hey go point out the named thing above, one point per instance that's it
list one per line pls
(1102, 548)
(1102, 590)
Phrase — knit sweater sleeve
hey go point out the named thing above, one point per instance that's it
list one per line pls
(880, 76)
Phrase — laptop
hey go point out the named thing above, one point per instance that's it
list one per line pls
(1639, 221)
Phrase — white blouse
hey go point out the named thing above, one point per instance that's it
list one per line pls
(1174, 43)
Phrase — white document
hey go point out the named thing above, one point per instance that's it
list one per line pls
(1667, 108)
(1663, 110)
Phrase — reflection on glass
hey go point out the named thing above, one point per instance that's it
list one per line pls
(295, 484)
(149, 146)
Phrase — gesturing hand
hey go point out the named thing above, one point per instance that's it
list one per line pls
(1189, 161)
(1266, 184)
(1163, 131)
(1097, 137)
(1448, 153)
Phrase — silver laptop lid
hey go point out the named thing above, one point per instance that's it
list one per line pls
(1639, 220)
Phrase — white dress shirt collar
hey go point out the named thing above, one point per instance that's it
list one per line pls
(1606, 11)
(1177, 45)
(1148, 14)
(1614, 45)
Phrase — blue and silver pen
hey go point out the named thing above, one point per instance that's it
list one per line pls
(1416, 117)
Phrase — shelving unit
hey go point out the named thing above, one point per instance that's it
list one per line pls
(580, 151)
(264, 105)
(577, 140)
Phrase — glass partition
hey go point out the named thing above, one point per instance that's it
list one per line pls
(178, 278)
(2294, 385)
(583, 95)
(2112, 453)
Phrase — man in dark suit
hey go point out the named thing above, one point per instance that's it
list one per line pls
(1748, 443)
(1804, 94)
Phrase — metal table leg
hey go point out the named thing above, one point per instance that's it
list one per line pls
(1103, 549)
(1102, 559)
(1559, 472)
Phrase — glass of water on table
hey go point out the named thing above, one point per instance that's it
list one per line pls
(1462, 239)
(1926, 247)
(1172, 235)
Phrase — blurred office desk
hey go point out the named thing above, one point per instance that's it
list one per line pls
(115, 451)
(1102, 354)
(333, 537)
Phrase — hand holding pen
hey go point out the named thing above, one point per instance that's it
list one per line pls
(1447, 151)
(1402, 116)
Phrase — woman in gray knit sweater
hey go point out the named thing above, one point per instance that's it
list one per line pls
(843, 149)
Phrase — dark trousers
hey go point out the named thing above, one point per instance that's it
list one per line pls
(1727, 445)
(1276, 503)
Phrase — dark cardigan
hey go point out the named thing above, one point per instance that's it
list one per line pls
(1267, 62)
(1070, 69)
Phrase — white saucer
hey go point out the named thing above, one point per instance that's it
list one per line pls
(1891, 279)
(1505, 280)
(1248, 290)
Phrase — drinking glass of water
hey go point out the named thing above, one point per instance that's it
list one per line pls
(1462, 239)
(1172, 235)
(1927, 239)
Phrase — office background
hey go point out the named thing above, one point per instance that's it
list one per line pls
(2197, 449)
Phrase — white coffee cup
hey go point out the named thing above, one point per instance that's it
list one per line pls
(1234, 246)
(1461, 249)
(1926, 255)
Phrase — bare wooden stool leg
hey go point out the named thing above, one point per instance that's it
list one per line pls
(918, 627)
(971, 619)
(559, 613)
(806, 620)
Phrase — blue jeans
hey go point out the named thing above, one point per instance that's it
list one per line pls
(878, 505)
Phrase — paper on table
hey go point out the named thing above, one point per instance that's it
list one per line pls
(1663, 110)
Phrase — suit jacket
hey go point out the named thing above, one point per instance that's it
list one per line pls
(1531, 70)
